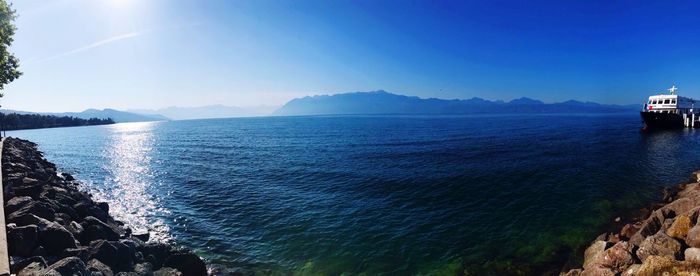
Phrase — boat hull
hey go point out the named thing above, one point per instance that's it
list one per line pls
(655, 120)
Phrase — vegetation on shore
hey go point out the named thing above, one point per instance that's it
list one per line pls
(14, 121)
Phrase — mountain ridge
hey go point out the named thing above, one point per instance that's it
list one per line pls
(382, 102)
(107, 113)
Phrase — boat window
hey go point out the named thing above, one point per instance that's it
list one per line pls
(653, 102)
(673, 101)
(650, 101)
(667, 101)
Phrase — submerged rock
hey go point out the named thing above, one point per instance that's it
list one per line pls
(187, 263)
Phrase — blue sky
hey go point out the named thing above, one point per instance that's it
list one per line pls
(123, 54)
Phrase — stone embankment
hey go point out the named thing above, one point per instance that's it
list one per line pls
(55, 229)
(667, 242)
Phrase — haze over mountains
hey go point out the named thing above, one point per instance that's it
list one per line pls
(116, 115)
(210, 111)
(376, 102)
(382, 102)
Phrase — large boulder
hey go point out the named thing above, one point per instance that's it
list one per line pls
(34, 269)
(632, 270)
(95, 265)
(692, 254)
(187, 263)
(167, 271)
(16, 203)
(29, 187)
(660, 265)
(104, 252)
(144, 269)
(596, 270)
(21, 241)
(17, 265)
(95, 229)
(693, 236)
(659, 244)
(592, 252)
(680, 227)
(617, 258)
(55, 238)
(649, 227)
(70, 266)
(155, 253)
(629, 230)
(29, 219)
(38, 208)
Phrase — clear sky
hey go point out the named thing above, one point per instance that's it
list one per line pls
(78, 54)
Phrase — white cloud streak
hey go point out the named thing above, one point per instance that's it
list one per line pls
(92, 46)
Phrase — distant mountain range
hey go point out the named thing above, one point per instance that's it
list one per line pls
(211, 111)
(376, 102)
(382, 102)
(115, 115)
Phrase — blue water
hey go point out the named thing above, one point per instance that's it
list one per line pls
(375, 194)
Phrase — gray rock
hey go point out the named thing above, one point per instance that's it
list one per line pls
(81, 252)
(693, 238)
(32, 269)
(76, 229)
(617, 258)
(55, 238)
(692, 254)
(632, 270)
(592, 252)
(16, 203)
(95, 229)
(70, 266)
(167, 271)
(143, 269)
(95, 265)
(37, 208)
(649, 227)
(104, 252)
(659, 244)
(21, 241)
(29, 219)
(20, 263)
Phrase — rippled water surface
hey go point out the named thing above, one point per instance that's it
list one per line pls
(375, 194)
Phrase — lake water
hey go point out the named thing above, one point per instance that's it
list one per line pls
(376, 194)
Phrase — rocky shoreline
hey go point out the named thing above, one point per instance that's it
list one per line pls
(666, 241)
(55, 229)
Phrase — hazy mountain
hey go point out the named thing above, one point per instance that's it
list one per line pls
(116, 115)
(211, 111)
(382, 102)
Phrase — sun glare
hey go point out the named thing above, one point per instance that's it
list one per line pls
(120, 4)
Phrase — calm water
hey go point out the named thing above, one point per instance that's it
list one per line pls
(373, 194)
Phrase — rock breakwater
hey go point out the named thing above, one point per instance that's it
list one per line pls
(666, 242)
(55, 229)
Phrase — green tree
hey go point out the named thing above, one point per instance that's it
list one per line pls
(8, 62)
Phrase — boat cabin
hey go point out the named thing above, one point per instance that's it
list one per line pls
(670, 104)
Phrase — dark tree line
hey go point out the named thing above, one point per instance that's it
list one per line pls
(14, 121)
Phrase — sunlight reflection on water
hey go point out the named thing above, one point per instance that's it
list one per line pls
(129, 189)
